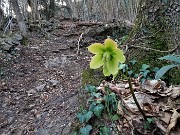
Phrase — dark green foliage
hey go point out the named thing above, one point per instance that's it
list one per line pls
(107, 104)
(86, 130)
(104, 131)
(164, 69)
(148, 123)
(84, 116)
(145, 71)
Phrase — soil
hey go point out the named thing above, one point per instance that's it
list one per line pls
(39, 92)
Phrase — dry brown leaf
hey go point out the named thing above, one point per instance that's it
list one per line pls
(150, 108)
(154, 86)
(120, 109)
(119, 127)
(175, 92)
(175, 116)
(166, 118)
(175, 132)
(142, 98)
(162, 127)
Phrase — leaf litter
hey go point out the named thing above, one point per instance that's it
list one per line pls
(159, 102)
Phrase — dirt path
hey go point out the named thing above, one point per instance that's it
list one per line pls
(39, 95)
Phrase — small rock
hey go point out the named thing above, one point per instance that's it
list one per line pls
(52, 62)
(18, 37)
(54, 82)
(31, 92)
(7, 47)
(40, 87)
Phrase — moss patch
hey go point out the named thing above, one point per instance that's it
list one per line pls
(91, 76)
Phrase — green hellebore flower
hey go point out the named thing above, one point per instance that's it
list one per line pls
(106, 55)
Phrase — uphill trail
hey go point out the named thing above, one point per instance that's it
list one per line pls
(39, 95)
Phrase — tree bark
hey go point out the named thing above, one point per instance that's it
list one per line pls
(157, 26)
(156, 32)
(19, 18)
(1, 18)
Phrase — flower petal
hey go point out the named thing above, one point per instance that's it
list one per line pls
(110, 44)
(96, 48)
(112, 66)
(96, 61)
(105, 70)
(118, 55)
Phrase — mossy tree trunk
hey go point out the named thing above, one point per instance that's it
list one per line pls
(156, 32)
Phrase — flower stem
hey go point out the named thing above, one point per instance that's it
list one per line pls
(135, 99)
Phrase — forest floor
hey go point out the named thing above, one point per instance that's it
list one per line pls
(40, 85)
(39, 92)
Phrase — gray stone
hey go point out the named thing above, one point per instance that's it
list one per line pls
(6, 47)
(40, 87)
(54, 82)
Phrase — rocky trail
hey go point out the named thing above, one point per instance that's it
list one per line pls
(39, 93)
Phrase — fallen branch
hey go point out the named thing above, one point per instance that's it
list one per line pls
(152, 49)
(89, 23)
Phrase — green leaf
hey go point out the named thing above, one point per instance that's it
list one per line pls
(85, 116)
(130, 72)
(163, 70)
(171, 58)
(75, 133)
(98, 110)
(133, 61)
(96, 48)
(88, 116)
(155, 69)
(144, 67)
(122, 66)
(150, 120)
(90, 88)
(96, 61)
(115, 117)
(81, 117)
(104, 131)
(136, 76)
(97, 95)
(92, 106)
(86, 130)
(145, 73)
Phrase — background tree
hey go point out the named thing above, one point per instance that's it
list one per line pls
(19, 17)
(1, 18)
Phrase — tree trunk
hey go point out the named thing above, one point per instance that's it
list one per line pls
(19, 18)
(156, 32)
(1, 18)
(72, 6)
(51, 9)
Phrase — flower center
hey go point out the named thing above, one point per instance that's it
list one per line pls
(106, 56)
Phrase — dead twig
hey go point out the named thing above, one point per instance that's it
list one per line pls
(79, 43)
